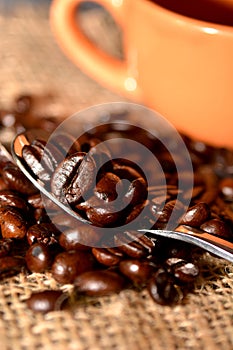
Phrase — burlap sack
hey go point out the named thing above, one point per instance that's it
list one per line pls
(31, 62)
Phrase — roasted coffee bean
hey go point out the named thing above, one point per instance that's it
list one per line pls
(108, 187)
(138, 271)
(173, 207)
(81, 236)
(101, 213)
(32, 155)
(183, 271)
(107, 257)
(38, 258)
(64, 174)
(5, 246)
(13, 199)
(46, 301)
(50, 155)
(68, 265)
(17, 181)
(226, 188)
(218, 227)
(137, 192)
(10, 266)
(82, 181)
(12, 222)
(45, 233)
(134, 244)
(163, 290)
(36, 201)
(99, 283)
(196, 215)
(137, 219)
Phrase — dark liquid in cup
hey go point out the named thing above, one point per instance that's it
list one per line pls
(214, 11)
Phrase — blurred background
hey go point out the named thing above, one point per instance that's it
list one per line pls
(32, 63)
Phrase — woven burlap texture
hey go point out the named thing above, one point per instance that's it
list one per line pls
(32, 62)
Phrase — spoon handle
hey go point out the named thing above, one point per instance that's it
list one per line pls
(213, 244)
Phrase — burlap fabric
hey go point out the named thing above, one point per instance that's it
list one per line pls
(32, 62)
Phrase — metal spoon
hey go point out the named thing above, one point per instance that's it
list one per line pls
(213, 244)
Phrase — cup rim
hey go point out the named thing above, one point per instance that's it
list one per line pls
(194, 22)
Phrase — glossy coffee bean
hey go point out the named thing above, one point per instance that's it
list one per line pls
(82, 236)
(138, 271)
(46, 301)
(106, 257)
(134, 244)
(32, 155)
(13, 199)
(45, 233)
(17, 181)
(101, 213)
(108, 187)
(64, 173)
(5, 246)
(10, 266)
(68, 265)
(36, 201)
(137, 192)
(183, 271)
(82, 181)
(50, 155)
(173, 207)
(217, 227)
(38, 258)
(196, 215)
(12, 222)
(99, 283)
(162, 288)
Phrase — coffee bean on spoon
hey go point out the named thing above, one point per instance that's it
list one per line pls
(32, 155)
(50, 155)
(66, 183)
(101, 213)
(108, 187)
(82, 181)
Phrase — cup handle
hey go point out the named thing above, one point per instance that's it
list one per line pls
(108, 70)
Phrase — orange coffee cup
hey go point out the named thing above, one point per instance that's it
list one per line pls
(178, 59)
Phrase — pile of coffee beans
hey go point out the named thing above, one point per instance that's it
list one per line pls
(35, 238)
